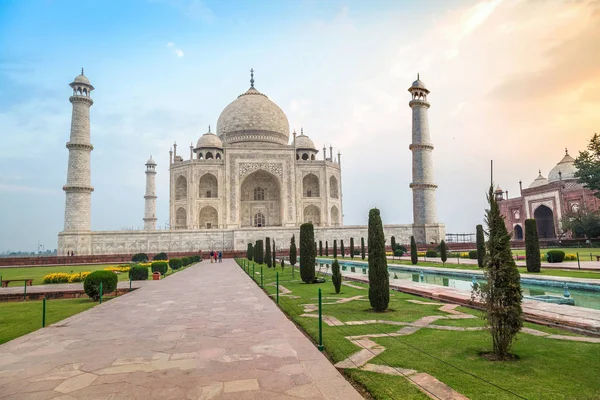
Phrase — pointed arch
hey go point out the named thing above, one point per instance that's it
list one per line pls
(312, 214)
(260, 192)
(180, 218)
(310, 186)
(181, 188)
(208, 218)
(333, 187)
(335, 216)
(209, 187)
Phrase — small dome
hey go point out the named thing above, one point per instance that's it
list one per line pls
(498, 190)
(566, 167)
(418, 84)
(81, 79)
(150, 161)
(209, 140)
(304, 142)
(539, 181)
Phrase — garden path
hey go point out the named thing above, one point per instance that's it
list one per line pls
(207, 332)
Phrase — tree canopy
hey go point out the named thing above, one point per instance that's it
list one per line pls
(588, 165)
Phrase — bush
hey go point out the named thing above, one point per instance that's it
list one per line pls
(268, 257)
(293, 251)
(414, 256)
(379, 279)
(320, 248)
(362, 248)
(443, 251)
(176, 263)
(352, 248)
(431, 254)
(57, 277)
(555, 256)
(336, 276)
(342, 250)
(250, 252)
(480, 240)
(160, 266)
(398, 252)
(258, 252)
(80, 277)
(91, 284)
(138, 273)
(532, 247)
(335, 249)
(393, 244)
(307, 255)
(160, 257)
(139, 257)
(326, 248)
(473, 254)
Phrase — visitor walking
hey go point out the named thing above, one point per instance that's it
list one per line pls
(215, 256)
(212, 254)
(220, 257)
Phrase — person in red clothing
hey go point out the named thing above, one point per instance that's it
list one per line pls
(215, 256)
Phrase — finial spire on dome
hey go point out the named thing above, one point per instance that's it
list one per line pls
(81, 70)
(302, 130)
(418, 76)
(566, 152)
(251, 77)
(209, 128)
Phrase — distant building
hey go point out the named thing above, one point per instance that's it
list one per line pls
(546, 200)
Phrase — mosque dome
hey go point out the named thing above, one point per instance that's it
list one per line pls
(418, 84)
(150, 161)
(539, 181)
(81, 79)
(252, 117)
(209, 140)
(566, 167)
(304, 142)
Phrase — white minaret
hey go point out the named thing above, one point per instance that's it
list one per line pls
(423, 186)
(150, 207)
(79, 183)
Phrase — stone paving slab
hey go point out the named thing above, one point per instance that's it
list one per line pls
(207, 332)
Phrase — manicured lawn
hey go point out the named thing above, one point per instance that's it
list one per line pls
(584, 252)
(38, 273)
(17, 319)
(546, 368)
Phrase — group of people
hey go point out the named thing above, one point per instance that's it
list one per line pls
(214, 255)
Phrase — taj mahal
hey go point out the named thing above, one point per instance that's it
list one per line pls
(247, 180)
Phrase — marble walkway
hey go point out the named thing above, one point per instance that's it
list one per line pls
(206, 332)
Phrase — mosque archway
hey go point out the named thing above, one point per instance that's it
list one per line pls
(518, 232)
(544, 218)
(261, 194)
(335, 216)
(333, 187)
(208, 218)
(312, 214)
(180, 218)
(209, 187)
(181, 188)
(310, 186)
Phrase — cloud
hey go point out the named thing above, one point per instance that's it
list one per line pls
(179, 53)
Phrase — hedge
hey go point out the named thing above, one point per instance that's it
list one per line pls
(176, 263)
(139, 257)
(555, 256)
(431, 254)
(160, 266)
(160, 257)
(91, 284)
(137, 273)
(473, 254)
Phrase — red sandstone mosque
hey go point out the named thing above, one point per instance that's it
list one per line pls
(547, 200)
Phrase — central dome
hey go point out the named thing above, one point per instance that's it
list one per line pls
(252, 117)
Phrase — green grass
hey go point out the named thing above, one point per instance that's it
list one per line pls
(584, 252)
(17, 319)
(547, 368)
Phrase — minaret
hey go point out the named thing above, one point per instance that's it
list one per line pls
(79, 185)
(150, 207)
(423, 187)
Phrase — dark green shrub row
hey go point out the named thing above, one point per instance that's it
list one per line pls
(175, 263)
(555, 256)
(160, 257)
(473, 254)
(137, 273)
(139, 257)
(160, 266)
(431, 253)
(91, 285)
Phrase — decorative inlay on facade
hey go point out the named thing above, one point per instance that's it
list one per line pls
(246, 169)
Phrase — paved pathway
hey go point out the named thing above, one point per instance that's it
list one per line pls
(206, 332)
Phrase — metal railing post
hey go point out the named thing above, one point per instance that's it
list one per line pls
(320, 322)
(277, 277)
(261, 277)
(44, 312)
(578, 265)
(25, 291)
(253, 274)
(100, 292)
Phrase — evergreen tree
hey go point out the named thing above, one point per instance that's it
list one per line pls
(351, 247)
(320, 248)
(501, 295)
(379, 280)
(250, 252)
(258, 252)
(274, 255)
(268, 257)
(532, 246)
(282, 264)
(293, 251)
(362, 248)
(414, 256)
(443, 252)
(307, 254)
(336, 276)
(393, 244)
(326, 248)
(342, 251)
(335, 249)
(480, 245)
(315, 248)
(588, 166)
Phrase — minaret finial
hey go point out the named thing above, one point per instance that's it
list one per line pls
(302, 130)
(208, 128)
(566, 151)
(418, 76)
(81, 70)
(251, 77)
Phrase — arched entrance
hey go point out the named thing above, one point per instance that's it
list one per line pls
(312, 214)
(260, 194)
(518, 232)
(544, 217)
(208, 218)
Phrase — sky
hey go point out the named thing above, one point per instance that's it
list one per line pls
(514, 81)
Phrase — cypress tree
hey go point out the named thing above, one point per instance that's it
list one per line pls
(414, 257)
(501, 295)
(293, 251)
(258, 252)
(320, 248)
(443, 252)
(342, 248)
(362, 247)
(250, 252)
(532, 246)
(268, 257)
(315, 247)
(480, 245)
(352, 247)
(274, 255)
(326, 248)
(307, 255)
(335, 249)
(393, 243)
(336, 276)
(379, 280)
(282, 264)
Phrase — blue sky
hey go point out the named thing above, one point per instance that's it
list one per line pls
(164, 70)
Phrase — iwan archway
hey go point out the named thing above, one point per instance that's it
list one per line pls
(544, 217)
(260, 200)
